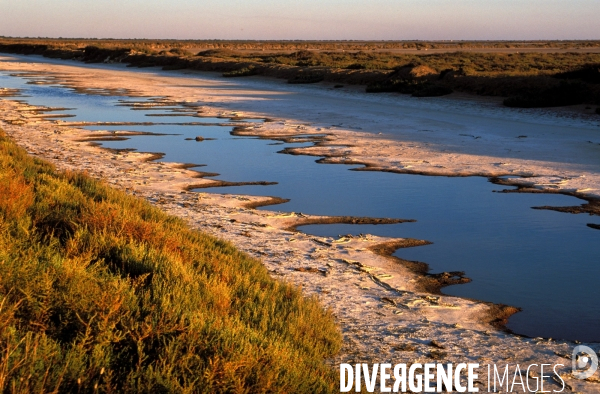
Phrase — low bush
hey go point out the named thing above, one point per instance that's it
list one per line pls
(242, 72)
(304, 77)
(589, 73)
(567, 93)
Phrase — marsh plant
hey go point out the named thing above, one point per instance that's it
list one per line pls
(102, 292)
(527, 79)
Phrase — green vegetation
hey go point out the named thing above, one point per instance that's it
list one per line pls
(100, 291)
(528, 79)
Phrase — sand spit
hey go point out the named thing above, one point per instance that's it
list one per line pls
(381, 305)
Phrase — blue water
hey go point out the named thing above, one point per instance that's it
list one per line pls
(545, 262)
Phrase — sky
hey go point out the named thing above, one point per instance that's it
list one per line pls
(303, 19)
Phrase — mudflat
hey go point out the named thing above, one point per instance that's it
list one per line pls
(382, 307)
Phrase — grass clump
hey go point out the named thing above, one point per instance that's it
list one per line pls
(100, 291)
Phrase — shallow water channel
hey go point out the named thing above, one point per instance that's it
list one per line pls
(545, 262)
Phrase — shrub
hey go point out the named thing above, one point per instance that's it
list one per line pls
(356, 66)
(242, 72)
(567, 93)
(307, 77)
(216, 53)
(588, 73)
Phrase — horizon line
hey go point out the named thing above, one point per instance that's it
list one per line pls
(305, 40)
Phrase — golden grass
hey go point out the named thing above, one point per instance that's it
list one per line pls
(100, 291)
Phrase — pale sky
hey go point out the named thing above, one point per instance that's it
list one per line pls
(303, 19)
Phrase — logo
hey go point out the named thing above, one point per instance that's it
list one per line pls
(462, 377)
(585, 362)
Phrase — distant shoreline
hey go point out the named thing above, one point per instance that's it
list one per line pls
(526, 74)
